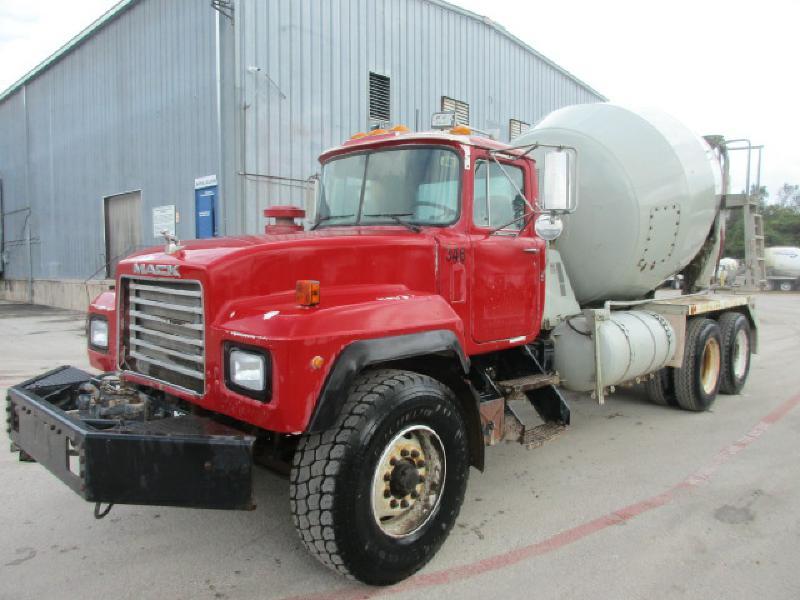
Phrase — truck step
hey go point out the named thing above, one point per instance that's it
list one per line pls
(524, 424)
(526, 384)
(536, 436)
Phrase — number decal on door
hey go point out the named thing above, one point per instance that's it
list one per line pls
(457, 255)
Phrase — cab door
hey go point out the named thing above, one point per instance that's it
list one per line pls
(507, 263)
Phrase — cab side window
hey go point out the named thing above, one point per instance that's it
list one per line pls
(496, 202)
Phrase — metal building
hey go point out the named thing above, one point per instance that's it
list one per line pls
(197, 114)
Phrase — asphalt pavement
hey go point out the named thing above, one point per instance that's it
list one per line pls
(634, 501)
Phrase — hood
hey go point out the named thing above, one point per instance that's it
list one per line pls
(258, 265)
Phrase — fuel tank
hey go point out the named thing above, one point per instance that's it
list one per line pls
(648, 192)
(631, 343)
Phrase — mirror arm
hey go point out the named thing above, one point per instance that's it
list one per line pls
(525, 217)
(511, 181)
(531, 147)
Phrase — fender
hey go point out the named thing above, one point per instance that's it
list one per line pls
(361, 354)
(105, 306)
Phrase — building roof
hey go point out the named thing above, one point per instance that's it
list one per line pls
(122, 6)
(502, 30)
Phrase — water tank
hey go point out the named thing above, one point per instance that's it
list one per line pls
(782, 261)
(648, 192)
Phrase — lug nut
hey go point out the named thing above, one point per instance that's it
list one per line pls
(404, 504)
(404, 453)
(393, 461)
(415, 454)
(393, 503)
(422, 477)
(387, 476)
(415, 494)
(420, 463)
(387, 493)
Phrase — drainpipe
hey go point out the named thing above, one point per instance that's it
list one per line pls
(2, 232)
(30, 260)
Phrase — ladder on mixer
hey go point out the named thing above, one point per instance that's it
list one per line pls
(759, 265)
(749, 202)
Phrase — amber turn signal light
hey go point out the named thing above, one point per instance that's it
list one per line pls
(307, 292)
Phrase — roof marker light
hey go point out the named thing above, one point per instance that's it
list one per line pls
(461, 130)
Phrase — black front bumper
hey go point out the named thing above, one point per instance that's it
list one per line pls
(177, 461)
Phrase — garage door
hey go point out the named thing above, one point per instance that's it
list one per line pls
(123, 227)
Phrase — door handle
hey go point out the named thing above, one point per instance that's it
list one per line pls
(531, 250)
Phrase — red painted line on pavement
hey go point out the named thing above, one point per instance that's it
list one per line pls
(569, 536)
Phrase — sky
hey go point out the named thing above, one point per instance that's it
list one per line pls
(727, 67)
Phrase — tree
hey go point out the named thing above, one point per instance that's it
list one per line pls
(781, 225)
(789, 196)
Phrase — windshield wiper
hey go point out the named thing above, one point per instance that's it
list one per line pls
(396, 217)
(328, 218)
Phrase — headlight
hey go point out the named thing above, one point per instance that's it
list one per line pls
(98, 333)
(248, 371)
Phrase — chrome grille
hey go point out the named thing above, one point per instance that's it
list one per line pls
(164, 332)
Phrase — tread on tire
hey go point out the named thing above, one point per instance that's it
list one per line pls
(690, 393)
(331, 477)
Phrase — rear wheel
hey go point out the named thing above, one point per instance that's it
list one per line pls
(697, 381)
(660, 388)
(786, 286)
(375, 496)
(735, 330)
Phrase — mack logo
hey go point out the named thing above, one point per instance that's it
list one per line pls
(151, 269)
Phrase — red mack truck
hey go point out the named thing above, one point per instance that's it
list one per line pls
(449, 287)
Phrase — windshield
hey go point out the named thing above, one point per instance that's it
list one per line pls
(412, 185)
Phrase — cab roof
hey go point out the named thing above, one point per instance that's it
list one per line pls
(372, 140)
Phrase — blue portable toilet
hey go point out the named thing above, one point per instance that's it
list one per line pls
(205, 206)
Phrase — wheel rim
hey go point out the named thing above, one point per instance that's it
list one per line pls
(741, 350)
(408, 481)
(710, 365)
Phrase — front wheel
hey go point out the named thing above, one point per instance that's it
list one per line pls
(375, 496)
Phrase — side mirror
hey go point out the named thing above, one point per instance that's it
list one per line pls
(558, 183)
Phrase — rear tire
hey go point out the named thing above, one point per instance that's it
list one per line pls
(735, 330)
(786, 286)
(660, 389)
(697, 381)
(375, 496)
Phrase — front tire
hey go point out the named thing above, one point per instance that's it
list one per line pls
(697, 381)
(375, 496)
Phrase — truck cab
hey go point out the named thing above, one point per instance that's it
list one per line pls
(414, 233)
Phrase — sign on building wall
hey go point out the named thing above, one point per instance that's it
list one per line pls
(163, 219)
(205, 181)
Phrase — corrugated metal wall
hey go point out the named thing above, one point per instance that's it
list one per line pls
(304, 68)
(132, 108)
